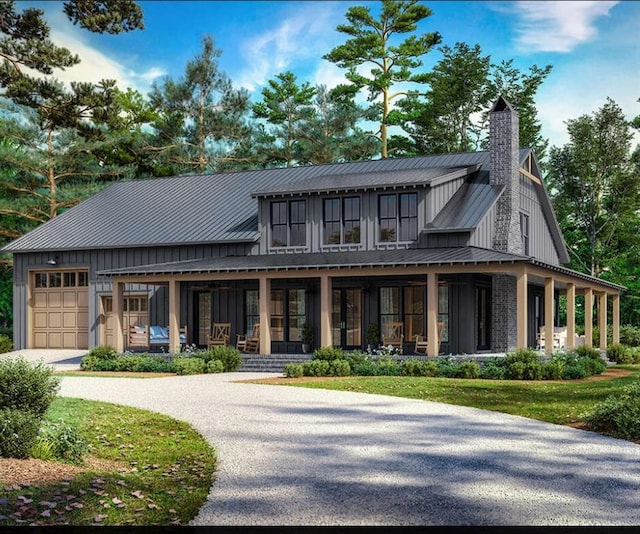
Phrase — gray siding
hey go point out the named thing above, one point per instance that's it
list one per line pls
(439, 196)
(482, 236)
(541, 242)
(98, 260)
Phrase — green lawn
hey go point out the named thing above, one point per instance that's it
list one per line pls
(560, 402)
(162, 476)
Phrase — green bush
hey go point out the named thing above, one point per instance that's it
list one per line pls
(102, 352)
(328, 354)
(63, 442)
(230, 357)
(552, 370)
(574, 370)
(293, 370)
(419, 368)
(215, 366)
(468, 370)
(388, 367)
(588, 352)
(5, 344)
(187, 365)
(447, 367)
(27, 386)
(365, 368)
(618, 415)
(493, 369)
(619, 353)
(90, 363)
(339, 368)
(18, 432)
(635, 354)
(523, 364)
(153, 364)
(630, 335)
(356, 357)
(132, 363)
(316, 368)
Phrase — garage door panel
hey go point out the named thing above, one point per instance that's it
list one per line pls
(54, 339)
(69, 340)
(83, 320)
(69, 320)
(40, 340)
(69, 299)
(54, 320)
(54, 299)
(40, 319)
(39, 300)
(82, 299)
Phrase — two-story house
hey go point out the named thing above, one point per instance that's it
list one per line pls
(466, 240)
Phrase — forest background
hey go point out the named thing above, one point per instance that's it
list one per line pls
(62, 142)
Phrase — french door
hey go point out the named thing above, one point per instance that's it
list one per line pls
(346, 318)
(483, 317)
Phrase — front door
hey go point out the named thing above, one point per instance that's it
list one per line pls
(483, 314)
(346, 318)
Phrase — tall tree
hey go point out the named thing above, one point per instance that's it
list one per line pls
(371, 42)
(595, 186)
(202, 117)
(286, 106)
(459, 90)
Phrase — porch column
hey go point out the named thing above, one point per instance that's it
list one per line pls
(616, 318)
(602, 319)
(432, 314)
(326, 339)
(265, 319)
(521, 313)
(548, 315)
(117, 292)
(588, 317)
(571, 315)
(174, 316)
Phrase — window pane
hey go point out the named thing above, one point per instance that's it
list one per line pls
(83, 279)
(352, 232)
(413, 312)
(331, 230)
(388, 230)
(279, 224)
(55, 279)
(277, 315)
(387, 206)
(298, 211)
(408, 217)
(41, 280)
(352, 220)
(279, 213)
(143, 304)
(251, 309)
(332, 233)
(297, 313)
(443, 310)
(69, 279)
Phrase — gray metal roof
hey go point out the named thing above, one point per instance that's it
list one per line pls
(362, 258)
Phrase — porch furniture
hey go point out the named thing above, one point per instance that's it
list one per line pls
(145, 336)
(249, 343)
(421, 341)
(220, 335)
(393, 334)
(559, 338)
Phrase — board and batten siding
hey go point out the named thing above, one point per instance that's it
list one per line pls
(104, 259)
(439, 196)
(541, 245)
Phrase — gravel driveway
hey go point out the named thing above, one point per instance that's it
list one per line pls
(296, 456)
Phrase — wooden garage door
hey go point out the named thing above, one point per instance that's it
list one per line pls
(60, 315)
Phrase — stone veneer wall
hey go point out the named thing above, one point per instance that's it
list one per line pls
(504, 327)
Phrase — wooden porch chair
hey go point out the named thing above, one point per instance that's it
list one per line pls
(220, 335)
(421, 341)
(249, 343)
(393, 334)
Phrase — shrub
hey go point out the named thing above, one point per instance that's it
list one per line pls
(574, 370)
(356, 357)
(630, 335)
(635, 353)
(328, 354)
(316, 368)
(339, 368)
(523, 364)
(619, 353)
(215, 366)
(90, 363)
(588, 352)
(229, 356)
(18, 432)
(468, 370)
(63, 442)
(187, 365)
(388, 367)
(5, 344)
(446, 367)
(153, 364)
(293, 370)
(102, 352)
(493, 370)
(27, 386)
(419, 368)
(365, 368)
(552, 370)
(618, 414)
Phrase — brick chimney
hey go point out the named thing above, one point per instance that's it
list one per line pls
(504, 164)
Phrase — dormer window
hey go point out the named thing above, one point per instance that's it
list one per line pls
(289, 223)
(341, 220)
(398, 216)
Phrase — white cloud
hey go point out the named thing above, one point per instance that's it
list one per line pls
(557, 26)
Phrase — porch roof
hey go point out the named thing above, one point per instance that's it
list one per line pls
(412, 257)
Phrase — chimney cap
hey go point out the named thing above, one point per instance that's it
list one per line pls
(501, 104)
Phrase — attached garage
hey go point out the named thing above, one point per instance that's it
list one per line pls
(59, 310)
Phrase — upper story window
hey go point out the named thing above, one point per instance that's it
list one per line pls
(341, 219)
(398, 215)
(289, 223)
(524, 233)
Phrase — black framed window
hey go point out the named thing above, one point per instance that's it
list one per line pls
(278, 224)
(388, 214)
(341, 220)
(398, 216)
(288, 314)
(289, 223)
(408, 217)
(524, 232)
(251, 309)
(298, 223)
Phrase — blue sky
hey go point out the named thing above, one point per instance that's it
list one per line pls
(593, 45)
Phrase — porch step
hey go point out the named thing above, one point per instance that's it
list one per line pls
(272, 363)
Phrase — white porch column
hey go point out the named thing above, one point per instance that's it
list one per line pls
(602, 319)
(522, 305)
(616, 318)
(571, 315)
(265, 318)
(117, 292)
(432, 314)
(326, 339)
(588, 317)
(548, 315)
(174, 316)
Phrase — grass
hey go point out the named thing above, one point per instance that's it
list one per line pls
(560, 402)
(157, 471)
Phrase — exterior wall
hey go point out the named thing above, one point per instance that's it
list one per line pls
(97, 260)
(483, 235)
(504, 327)
(541, 244)
(439, 196)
